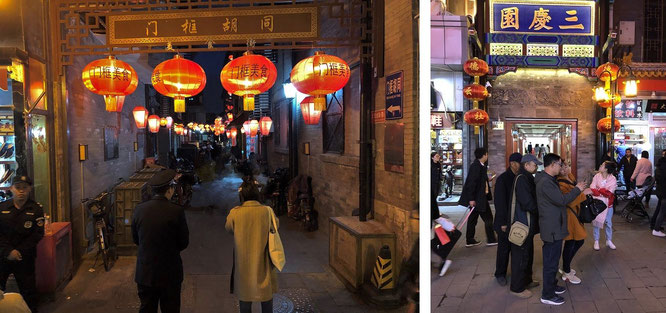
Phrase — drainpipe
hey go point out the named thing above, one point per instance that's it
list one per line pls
(292, 134)
(365, 169)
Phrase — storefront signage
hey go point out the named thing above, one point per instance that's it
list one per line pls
(378, 116)
(553, 18)
(656, 106)
(498, 125)
(218, 26)
(394, 88)
(629, 109)
(437, 120)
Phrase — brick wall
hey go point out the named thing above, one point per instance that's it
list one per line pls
(542, 94)
(87, 118)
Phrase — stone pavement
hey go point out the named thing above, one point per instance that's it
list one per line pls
(307, 283)
(629, 279)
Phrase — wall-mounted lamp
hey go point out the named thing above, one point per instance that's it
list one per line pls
(83, 152)
(306, 148)
(136, 146)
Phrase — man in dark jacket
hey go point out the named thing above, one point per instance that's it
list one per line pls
(476, 193)
(628, 165)
(435, 183)
(553, 224)
(160, 230)
(503, 191)
(522, 257)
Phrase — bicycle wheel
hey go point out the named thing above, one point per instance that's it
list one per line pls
(103, 247)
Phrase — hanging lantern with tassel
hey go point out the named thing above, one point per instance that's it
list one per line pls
(311, 115)
(248, 76)
(154, 124)
(112, 78)
(319, 75)
(140, 117)
(265, 125)
(178, 78)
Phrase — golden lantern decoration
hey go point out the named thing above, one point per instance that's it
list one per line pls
(154, 123)
(320, 75)
(111, 78)
(218, 121)
(476, 67)
(163, 122)
(604, 69)
(248, 76)
(217, 132)
(140, 116)
(233, 133)
(230, 116)
(178, 78)
(254, 128)
(311, 115)
(604, 125)
(178, 129)
(265, 125)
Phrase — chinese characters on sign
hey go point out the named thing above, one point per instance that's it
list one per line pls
(217, 25)
(629, 109)
(394, 84)
(575, 18)
(249, 71)
(110, 72)
(436, 120)
(656, 106)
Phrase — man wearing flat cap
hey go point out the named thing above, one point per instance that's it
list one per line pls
(160, 230)
(21, 229)
(503, 193)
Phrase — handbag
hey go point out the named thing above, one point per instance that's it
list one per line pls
(275, 249)
(590, 208)
(518, 232)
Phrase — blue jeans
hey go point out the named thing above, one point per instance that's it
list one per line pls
(608, 226)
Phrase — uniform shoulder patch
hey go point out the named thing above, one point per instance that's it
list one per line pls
(29, 213)
(6, 212)
(28, 224)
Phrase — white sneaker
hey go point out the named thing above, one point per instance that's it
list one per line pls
(596, 245)
(571, 277)
(658, 233)
(573, 271)
(610, 245)
(447, 263)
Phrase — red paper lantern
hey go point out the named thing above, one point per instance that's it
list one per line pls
(178, 78)
(217, 133)
(320, 75)
(475, 92)
(228, 133)
(265, 123)
(476, 67)
(476, 117)
(234, 133)
(246, 127)
(254, 128)
(112, 78)
(610, 67)
(604, 125)
(218, 121)
(248, 76)
(311, 115)
(154, 123)
(140, 116)
(607, 104)
(178, 129)
(169, 122)
(230, 117)
(163, 121)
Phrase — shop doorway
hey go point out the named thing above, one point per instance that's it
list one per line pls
(541, 136)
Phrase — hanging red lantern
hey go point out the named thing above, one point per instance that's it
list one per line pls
(178, 78)
(218, 121)
(221, 128)
(140, 116)
(228, 133)
(607, 104)
(476, 117)
(265, 123)
(320, 75)
(112, 78)
(248, 76)
(475, 67)
(311, 115)
(603, 69)
(178, 129)
(233, 133)
(475, 92)
(154, 123)
(230, 117)
(254, 128)
(246, 127)
(163, 121)
(604, 125)
(169, 122)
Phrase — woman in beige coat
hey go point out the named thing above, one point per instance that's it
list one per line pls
(254, 277)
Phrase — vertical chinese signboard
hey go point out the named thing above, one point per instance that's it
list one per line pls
(542, 33)
(394, 87)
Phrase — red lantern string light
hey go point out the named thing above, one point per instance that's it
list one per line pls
(230, 116)
(246, 127)
(178, 78)
(140, 116)
(163, 121)
(476, 67)
(218, 121)
(112, 78)
(603, 70)
(154, 123)
(248, 76)
(319, 75)
(476, 117)
(228, 133)
(169, 122)
(233, 133)
(604, 125)
(265, 125)
(178, 129)
(475, 92)
(254, 128)
(311, 115)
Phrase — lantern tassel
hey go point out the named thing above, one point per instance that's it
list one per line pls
(320, 103)
(179, 105)
(248, 103)
(476, 130)
(111, 103)
(120, 101)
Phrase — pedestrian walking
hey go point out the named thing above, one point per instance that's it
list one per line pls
(603, 188)
(552, 204)
(440, 248)
(643, 170)
(628, 166)
(577, 233)
(160, 230)
(529, 148)
(503, 193)
(253, 276)
(21, 229)
(435, 183)
(658, 216)
(476, 194)
(524, 211)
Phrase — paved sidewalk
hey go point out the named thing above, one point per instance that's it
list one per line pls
(629, 279)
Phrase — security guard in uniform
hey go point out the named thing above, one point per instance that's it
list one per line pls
(160, 230)
(21, 228)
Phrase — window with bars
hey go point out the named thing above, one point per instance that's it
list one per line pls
(333, 123)
(654, 37)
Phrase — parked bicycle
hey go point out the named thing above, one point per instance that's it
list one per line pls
(103, 229)
(185, 179)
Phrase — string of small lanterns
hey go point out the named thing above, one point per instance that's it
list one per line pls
(476, 92)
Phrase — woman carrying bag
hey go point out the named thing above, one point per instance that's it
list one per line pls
(603, 188)
(254, 225)
(577, 233)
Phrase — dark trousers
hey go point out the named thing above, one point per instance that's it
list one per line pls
(658, 217)
(487, 217)
(24, 272)
(168, 298)
(551, 259)
(569, 251)
(522, 258)
(266, 306)
(443, 250)
(627, 181)
(503, 251)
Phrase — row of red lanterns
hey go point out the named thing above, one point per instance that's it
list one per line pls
(476, 92)
(246, 76)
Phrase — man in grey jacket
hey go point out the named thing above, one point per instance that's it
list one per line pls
(552, 206)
